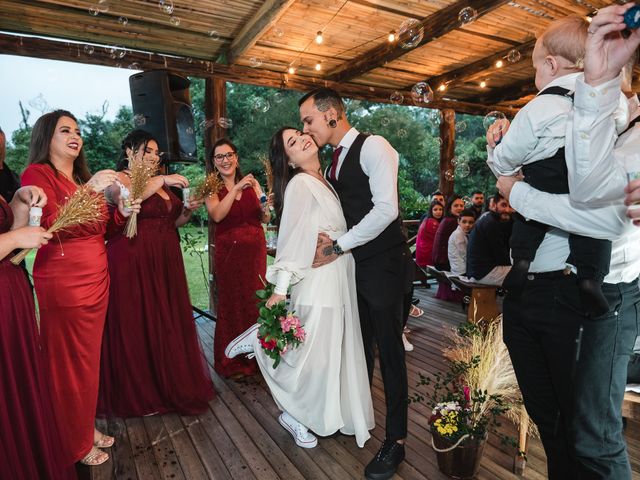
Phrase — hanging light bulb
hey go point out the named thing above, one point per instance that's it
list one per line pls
(392, 37)
(483, 84)
(318, 66)
(291, 70)
(442, 87)
(499, 64)
(319, 37)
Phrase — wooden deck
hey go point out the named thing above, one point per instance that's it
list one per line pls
(240, 437)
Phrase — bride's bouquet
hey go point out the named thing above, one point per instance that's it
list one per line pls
(279, 329)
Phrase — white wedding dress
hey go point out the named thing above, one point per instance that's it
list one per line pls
(323, 383)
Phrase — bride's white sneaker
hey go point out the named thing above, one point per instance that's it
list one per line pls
(300, 433)
(243, 343)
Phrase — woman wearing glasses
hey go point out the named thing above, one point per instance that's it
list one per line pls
(240, 254)
(151, 357)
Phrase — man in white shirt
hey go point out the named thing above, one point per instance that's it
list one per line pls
(574, 368)
(364, 173)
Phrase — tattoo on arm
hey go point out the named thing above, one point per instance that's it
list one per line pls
(327, 251)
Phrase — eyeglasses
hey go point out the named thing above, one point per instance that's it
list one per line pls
(221, 156)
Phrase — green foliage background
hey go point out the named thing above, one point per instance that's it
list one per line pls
(412, 131)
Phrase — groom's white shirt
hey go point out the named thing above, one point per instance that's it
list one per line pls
(379, 161)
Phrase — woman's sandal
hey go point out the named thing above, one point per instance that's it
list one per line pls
(415, 311)
(95, 457)
(105, 441)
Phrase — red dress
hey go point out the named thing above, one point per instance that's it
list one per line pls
(152, 361)
(424, 241)
(440, 257)
(72, 284)
(29, 443)
(241, 259)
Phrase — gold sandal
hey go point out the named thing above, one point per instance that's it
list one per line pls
(95, 457)
(105, 441)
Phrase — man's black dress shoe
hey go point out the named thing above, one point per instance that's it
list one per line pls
(386, 461)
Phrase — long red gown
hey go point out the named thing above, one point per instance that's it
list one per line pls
(241, 259)
(152, 361)
(29, 442)
(440, 257)
(424, 241)
(72, 284)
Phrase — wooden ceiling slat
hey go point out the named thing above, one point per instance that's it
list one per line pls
(438, 24)
(265, 18)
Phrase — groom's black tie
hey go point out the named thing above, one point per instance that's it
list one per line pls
(334, 163)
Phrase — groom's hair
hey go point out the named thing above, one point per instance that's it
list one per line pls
(325, 98)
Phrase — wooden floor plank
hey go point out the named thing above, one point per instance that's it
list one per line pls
(141, 445)
(186, 453)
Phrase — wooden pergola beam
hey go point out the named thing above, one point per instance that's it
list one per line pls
(436, 25)
(268, 14)
(460, 75)
(73, 52)
(515, 91)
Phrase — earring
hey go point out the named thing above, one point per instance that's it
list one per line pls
(292, 165)
(333, 123)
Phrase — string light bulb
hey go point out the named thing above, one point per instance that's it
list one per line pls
(291, 70)
(392, 37)
(499, 64)
(442, 87)
(318, 66)
(319, 37)
(483, 84)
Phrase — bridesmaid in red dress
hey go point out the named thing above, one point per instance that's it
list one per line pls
(240, 256)
(72, 284)
(427, 234)
(29, 444)
(152, 361)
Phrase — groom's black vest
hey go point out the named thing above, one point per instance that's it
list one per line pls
(356, 199)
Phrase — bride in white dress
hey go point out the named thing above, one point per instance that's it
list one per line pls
(322, 385)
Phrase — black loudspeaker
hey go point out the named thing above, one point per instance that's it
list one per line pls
(162, 106)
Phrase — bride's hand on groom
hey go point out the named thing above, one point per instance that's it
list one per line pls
(275, 299)
(324, 251)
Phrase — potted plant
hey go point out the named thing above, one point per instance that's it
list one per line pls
(469, 398)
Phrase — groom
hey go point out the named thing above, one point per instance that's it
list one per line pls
(364, 173)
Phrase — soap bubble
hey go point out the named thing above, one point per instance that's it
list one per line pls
(422, 93)
(89, 49)
(461, 126)
(166, 6)
(123, 21)
(410, 33)
(255, 62)
(278, 97)
(396, 98)
(93, 11)
(514, 56)
(384, 121)
(175, 21)
(139, 120)
(103, 6)
(261, 105)
(491, 117)
(462, 169)
(189, 130)
(278, 32)
(449, 175)
(402, 133)
(467, 15)
(134, 66)
(214, 35)
(438, 141)
(224, 122)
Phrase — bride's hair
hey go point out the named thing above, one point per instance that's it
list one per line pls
(281, 172)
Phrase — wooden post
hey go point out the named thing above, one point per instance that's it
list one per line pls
(215, 106)
(447, 150)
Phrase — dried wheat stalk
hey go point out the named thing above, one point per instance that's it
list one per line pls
(141, 170)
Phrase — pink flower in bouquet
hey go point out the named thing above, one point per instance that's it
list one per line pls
(300, 334)
(467, 394)
(289, 322)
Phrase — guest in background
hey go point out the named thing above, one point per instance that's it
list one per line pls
(437, 196)
(72, 283)
(477, 203)
(448, 224)
(458, 240)
(9, 182)
(151, 361)
(427, 234)
(29, 442)
(488, 259)
(240, 255)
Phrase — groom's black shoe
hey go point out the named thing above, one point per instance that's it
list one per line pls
(386, 461)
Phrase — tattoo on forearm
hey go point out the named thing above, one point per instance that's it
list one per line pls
(327, 251)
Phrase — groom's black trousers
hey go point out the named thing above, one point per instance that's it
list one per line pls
(381, 283)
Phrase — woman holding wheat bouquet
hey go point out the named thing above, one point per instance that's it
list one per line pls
(71, 281)
(151, 361)
(240, 255)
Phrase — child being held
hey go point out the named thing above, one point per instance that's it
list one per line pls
(534, 145)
